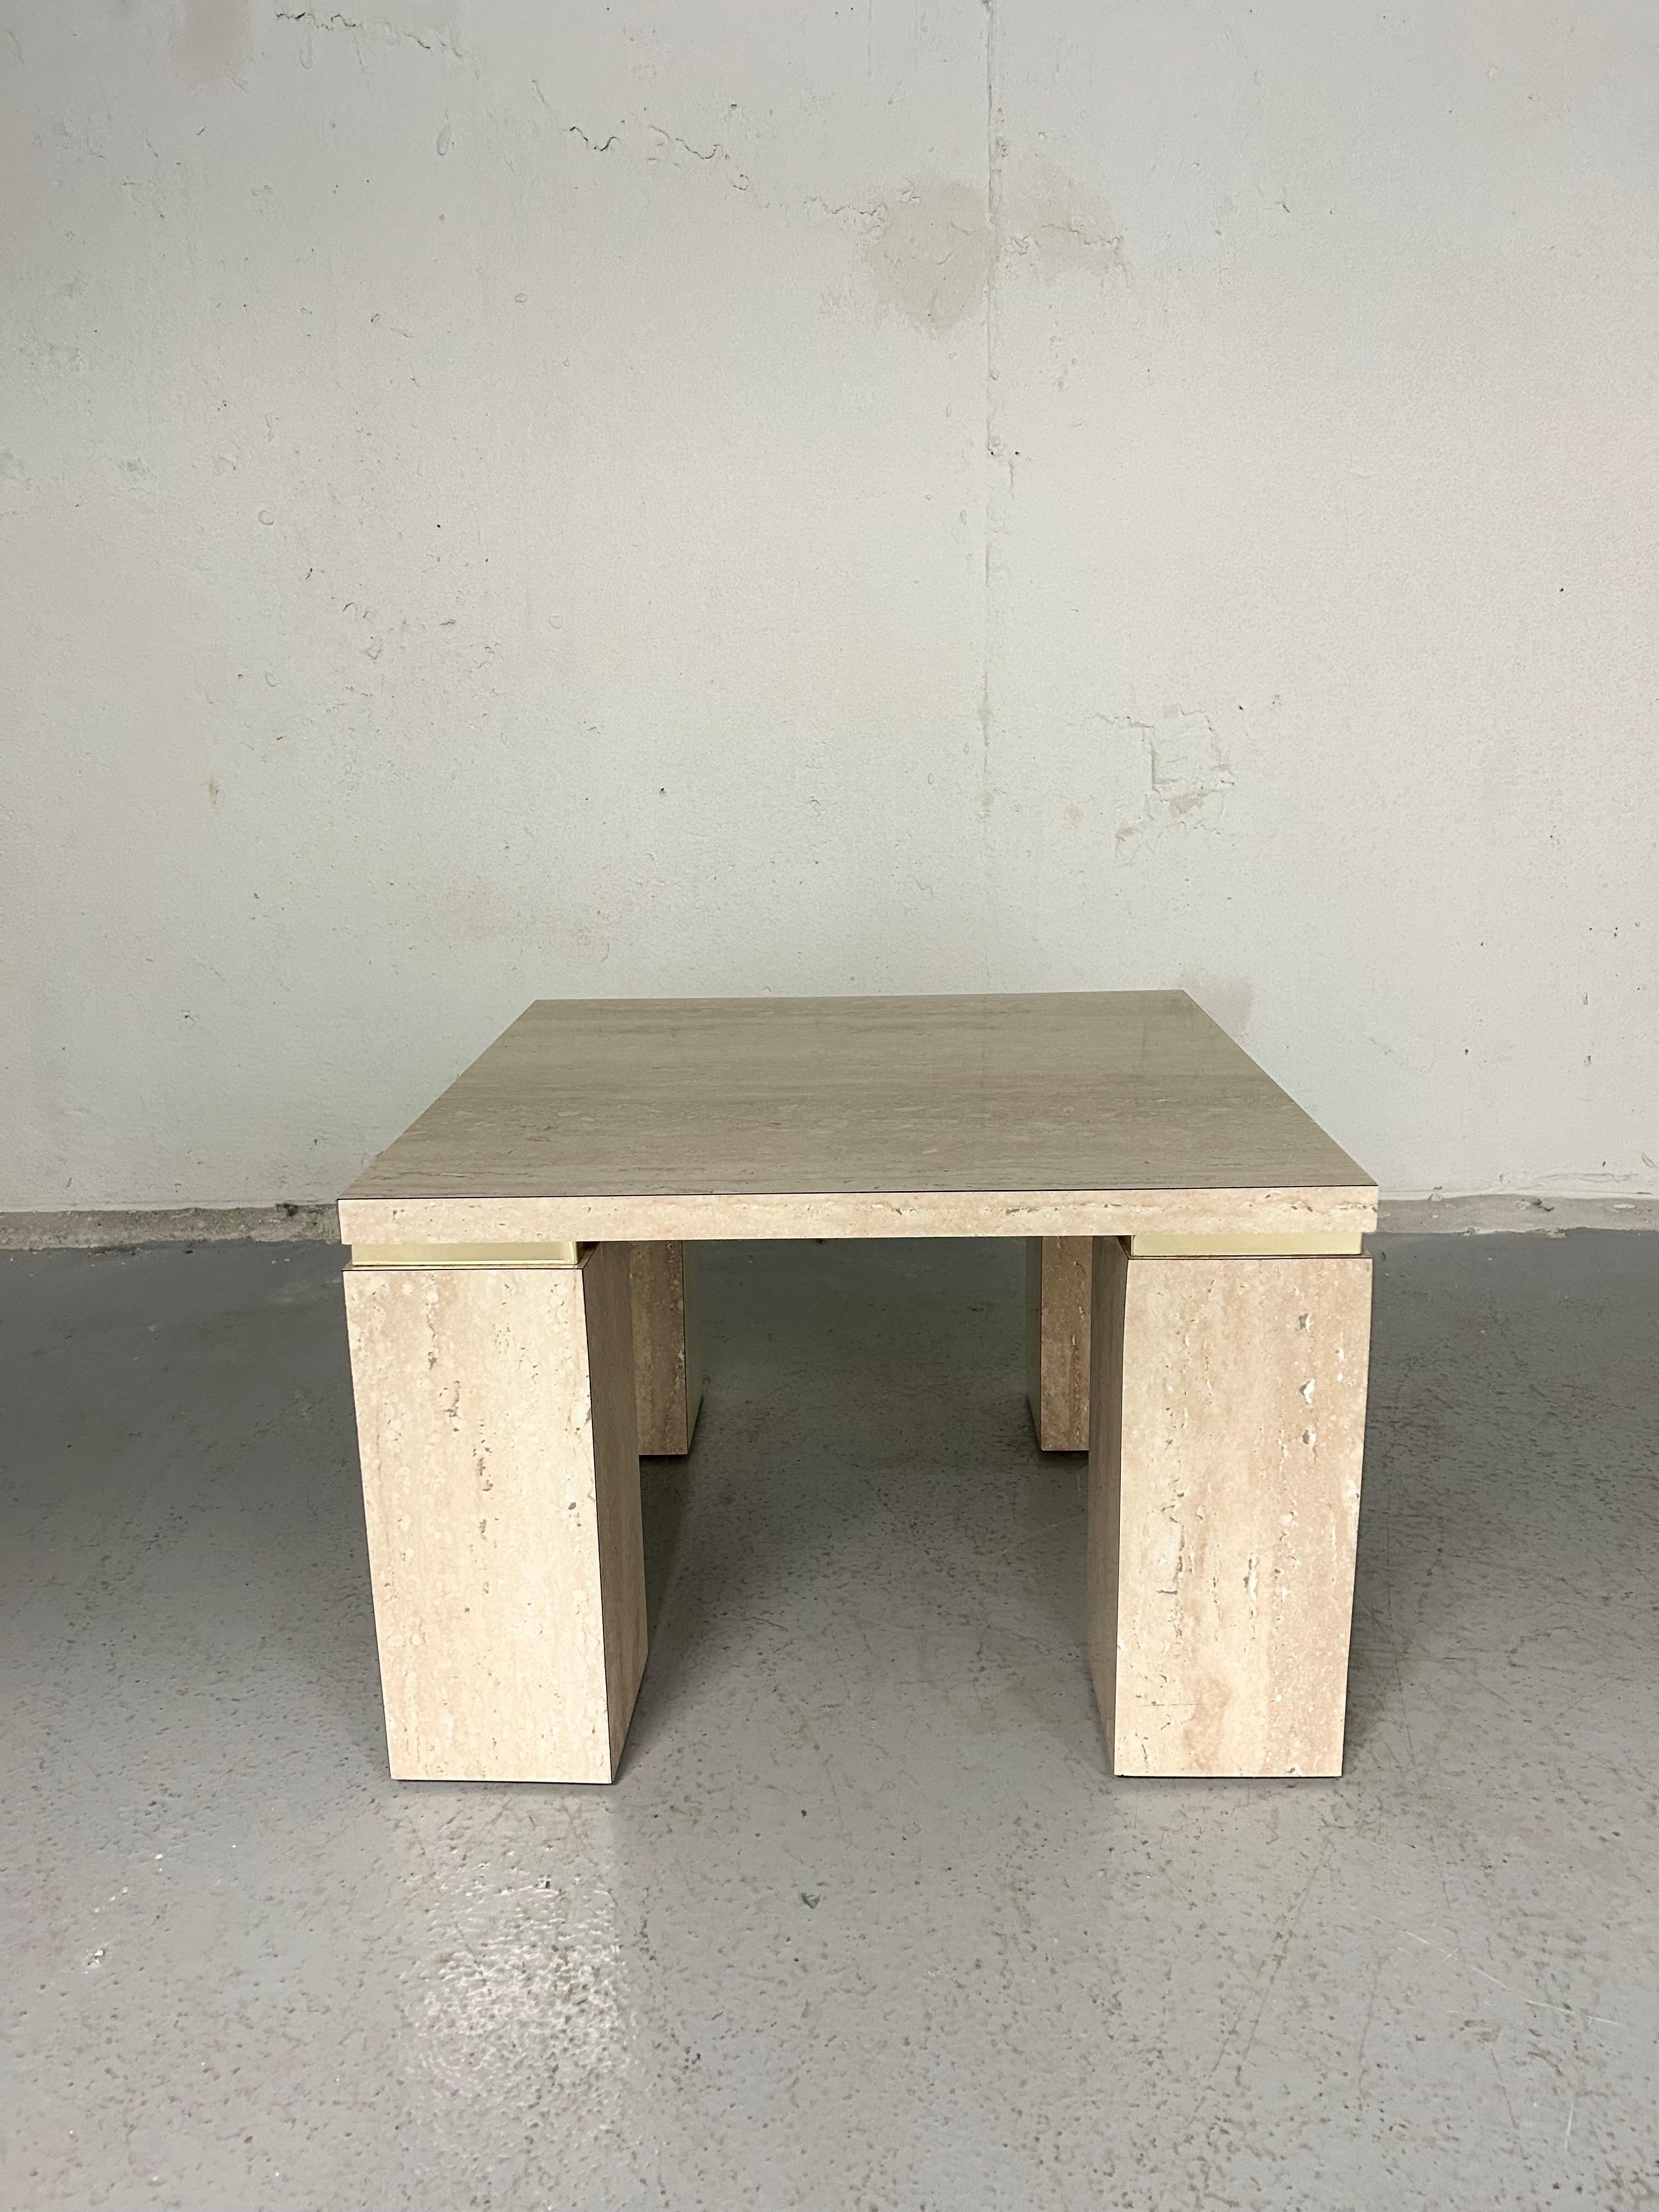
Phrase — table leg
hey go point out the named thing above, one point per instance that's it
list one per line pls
(1057, 1339)
(667, 1346)
(502, 1492)
(1228, 1405)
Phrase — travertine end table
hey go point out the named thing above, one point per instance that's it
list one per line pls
(521, 1311)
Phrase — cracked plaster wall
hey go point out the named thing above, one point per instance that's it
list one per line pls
(511, 501)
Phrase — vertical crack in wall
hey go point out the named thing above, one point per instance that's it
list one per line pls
(995, 151)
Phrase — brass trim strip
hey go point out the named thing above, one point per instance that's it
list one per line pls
(468, 1256)
(1243, 1246)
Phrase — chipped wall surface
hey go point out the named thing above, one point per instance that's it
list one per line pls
(508, 500)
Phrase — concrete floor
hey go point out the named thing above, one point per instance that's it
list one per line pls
(866, 1921)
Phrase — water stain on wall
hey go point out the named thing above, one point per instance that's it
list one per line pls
(931, 248)
(208, 45)
(928, 253)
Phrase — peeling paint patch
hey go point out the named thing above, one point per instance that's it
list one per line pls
(208, 45)
(649, 143)
(668, 144)
(1052, 226)
(1189, 777)
(433, 38)
(526, 1987)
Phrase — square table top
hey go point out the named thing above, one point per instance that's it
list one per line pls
(1114, 1113)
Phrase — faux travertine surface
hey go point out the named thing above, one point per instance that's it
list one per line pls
(1057, 1339)
(1225, 1510)
(673, 1119)
(501, 1489)
(667, 1353)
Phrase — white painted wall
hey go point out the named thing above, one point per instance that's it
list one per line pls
(506, 499)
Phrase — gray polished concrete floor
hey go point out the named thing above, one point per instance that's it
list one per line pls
(866, 1921)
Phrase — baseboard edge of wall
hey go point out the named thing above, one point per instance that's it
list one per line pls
(115, 1229)
(1499, 1214)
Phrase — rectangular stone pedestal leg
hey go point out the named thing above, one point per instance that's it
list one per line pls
(1057, 1339)
(501, 1491)
(1229, 1420)
(667, 1346)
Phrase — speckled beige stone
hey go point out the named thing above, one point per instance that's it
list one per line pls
(1053, 1115)
(496, 1421)
(1223, 1503)
(667, 1346)
(1057, 1339)
(708, 1216)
